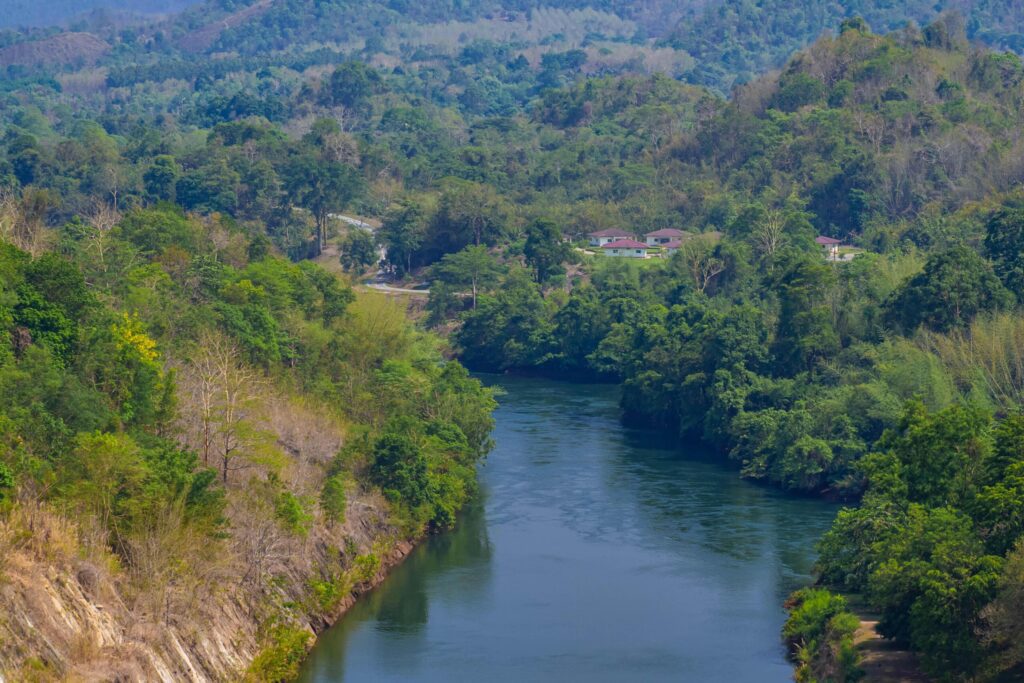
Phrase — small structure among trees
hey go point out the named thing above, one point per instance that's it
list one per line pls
(671, 247)
(627, 248)
(662, 237)
(603, 237)
(830, 246)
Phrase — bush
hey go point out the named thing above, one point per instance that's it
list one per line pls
(332, 498)
(279, 661)
(819, 634)
(6, 481)
(292, 513)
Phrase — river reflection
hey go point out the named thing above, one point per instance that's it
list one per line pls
(596, 553)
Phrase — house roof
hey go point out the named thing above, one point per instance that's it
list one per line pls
(625, 244)
(667, 232)
(674, 244)
(611, 232)
(824, 241)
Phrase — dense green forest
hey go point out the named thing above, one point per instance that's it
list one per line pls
(166, 199)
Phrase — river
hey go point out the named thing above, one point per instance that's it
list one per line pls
(594, 553)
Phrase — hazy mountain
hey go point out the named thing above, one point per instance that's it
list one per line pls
(52, 12)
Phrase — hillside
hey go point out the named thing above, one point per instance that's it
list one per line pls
(64, 48)
(717, 45)
(167, 203)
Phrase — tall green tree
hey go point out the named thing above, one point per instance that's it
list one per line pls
(1004, 243)
(358, 250)
(955, 286)
(322, 187)
(544, 249)
(403, 233)
(468, 213)
(474, 267)
(805, 332)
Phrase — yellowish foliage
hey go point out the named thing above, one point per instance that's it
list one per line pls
(131, 336)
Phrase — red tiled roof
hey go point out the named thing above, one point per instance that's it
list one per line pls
(822, 240)
(625, 244)
(674, 244)
(610, 232)
(667, 232)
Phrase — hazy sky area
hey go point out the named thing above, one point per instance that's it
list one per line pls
(48, 12)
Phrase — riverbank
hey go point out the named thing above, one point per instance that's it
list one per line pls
(74, 617)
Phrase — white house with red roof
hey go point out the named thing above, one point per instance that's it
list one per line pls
(830, 246)
(627, 248)
(603, 237)
(662, 237)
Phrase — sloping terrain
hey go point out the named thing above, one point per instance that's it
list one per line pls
(64, 48)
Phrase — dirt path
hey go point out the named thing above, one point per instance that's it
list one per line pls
(882, 660)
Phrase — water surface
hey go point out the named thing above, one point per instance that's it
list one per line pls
(595, 553)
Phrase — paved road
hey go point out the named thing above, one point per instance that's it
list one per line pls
(381, 287)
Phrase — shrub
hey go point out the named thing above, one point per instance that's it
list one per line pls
(819, 633)
(332, 498)
(279, 660)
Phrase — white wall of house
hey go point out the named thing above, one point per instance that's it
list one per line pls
(626, 253)
(601, 241)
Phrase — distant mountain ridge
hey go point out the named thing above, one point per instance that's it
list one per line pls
(18, 13)
(717, 45)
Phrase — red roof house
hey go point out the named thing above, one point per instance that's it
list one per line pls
(664, 236)
(603, 237)
(626, 248)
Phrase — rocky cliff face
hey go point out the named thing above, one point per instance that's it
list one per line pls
(192, 608)
(67, 618)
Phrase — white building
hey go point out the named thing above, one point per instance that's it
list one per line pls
(662, 237)
(626, 248)
(603, 237)
(830, 247)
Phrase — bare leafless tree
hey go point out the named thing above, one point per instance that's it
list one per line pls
(699, 256)
(769, 235)
(223, 395)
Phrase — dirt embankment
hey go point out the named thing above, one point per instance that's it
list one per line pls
(69, 619)
(180, 605)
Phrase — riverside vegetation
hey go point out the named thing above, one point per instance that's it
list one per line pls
(150, 191)
(188, 422)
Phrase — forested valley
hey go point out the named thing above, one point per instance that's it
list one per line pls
(198, 390)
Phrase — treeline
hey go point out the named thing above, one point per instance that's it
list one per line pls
(734, 42)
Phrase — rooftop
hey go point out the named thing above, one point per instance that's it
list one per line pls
(824, 241)
(625, 244)
(611, 232)
(667, 232)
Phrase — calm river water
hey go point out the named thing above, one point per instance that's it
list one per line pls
(595, 553)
